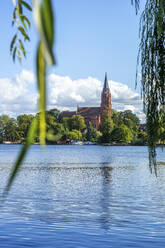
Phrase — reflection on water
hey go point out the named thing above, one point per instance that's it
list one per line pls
(83, 196)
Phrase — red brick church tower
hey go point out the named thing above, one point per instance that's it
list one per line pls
(106, 99)
(94, 114)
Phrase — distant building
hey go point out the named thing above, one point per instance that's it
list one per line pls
(94, 114)
(142, 127)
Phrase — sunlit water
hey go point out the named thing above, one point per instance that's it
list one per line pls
(83, 196)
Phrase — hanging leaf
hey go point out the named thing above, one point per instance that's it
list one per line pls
(43, 16)
(26, 5)
(152, 60)
(136, 2)
(27, 20)
(41, 79)
(26, 37)
(14, 16)
(13, 42)
(22, 48)
(19, 7)
(14, 53)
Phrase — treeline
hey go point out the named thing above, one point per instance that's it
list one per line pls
(122, 127)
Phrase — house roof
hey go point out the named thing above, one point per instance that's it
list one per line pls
(68, 113)
(88, 111)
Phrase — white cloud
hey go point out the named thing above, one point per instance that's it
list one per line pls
(18, 95)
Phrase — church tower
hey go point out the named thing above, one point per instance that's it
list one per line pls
(106, 99)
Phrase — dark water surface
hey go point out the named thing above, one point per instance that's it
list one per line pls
(83, 196)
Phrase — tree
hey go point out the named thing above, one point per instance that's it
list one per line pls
(67, 123)
(117, 120)
(92, 134)
(55, 113)
(142, 138)
(121, 134)
(10, 129)
(77, 122)
(75, 135)
(106, 127)
(152, 61)
(128, 115)
(24, 122)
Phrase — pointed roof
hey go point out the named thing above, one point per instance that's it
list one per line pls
(106, 86)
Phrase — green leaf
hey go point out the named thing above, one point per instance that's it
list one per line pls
(41, 79)
(48, 21)
(44, 17)
(26, 37)
(27, 20)
(19, 7)
(23, 23)
(14, 16)
(19, 55)
(14, 53)
(22, 48)
(12, 43)
(26, 5)
(30, 140)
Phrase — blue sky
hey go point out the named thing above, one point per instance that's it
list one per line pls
(92, 36)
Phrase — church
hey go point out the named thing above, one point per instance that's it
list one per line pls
(94, 114)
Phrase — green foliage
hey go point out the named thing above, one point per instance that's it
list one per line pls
(41, 74)
(44, 20)
(22, 24)
(106, 127)
(77, 122)
(75, 135)
(161, 127)
(67, 123)
(125, 117)
(92, 134)
(142, 138)
(152, 60)
(128, 115)
(121, 134)
(9, 129)
(24, 121)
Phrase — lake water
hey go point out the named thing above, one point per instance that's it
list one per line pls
(83, 196)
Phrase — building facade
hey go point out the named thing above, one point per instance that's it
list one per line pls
(94, 114)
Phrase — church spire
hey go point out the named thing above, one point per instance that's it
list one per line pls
(106, 86)
(106, 99)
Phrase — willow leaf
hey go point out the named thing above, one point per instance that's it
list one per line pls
(40, 14)
(14, 16)
(22, 48)
(12, 42)
(30, 140)
(26, 5)
(19, 55)
(41, 79)
(27, 20)
(136, 3)
(19, 7)
(26, 37)
(14, 53)
(23, 23)
(47, 16)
